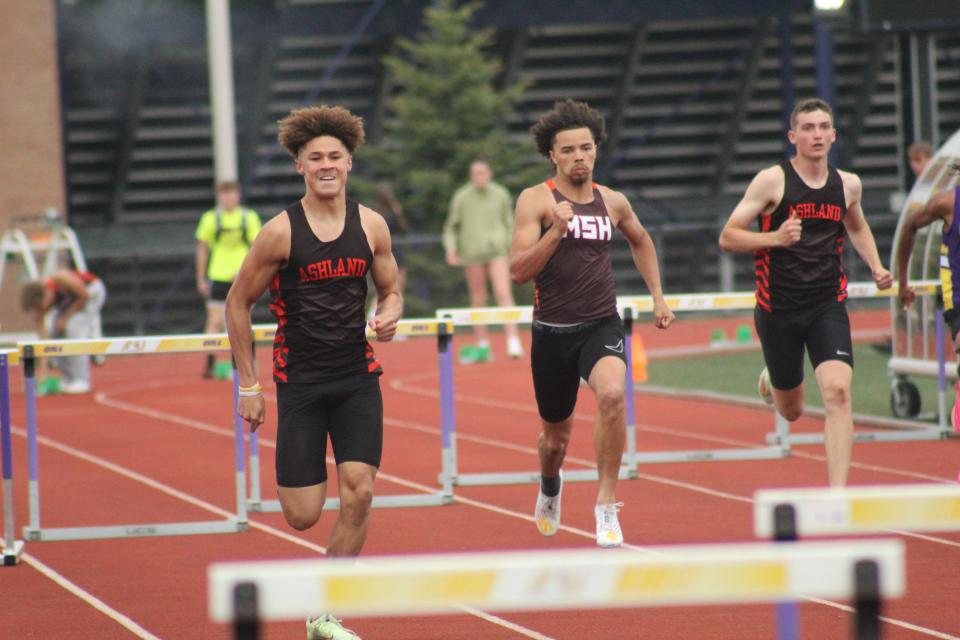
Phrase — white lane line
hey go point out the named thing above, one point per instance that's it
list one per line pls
(92, 600)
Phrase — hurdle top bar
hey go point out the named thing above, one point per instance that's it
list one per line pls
(857, 510)
(536, 580)
(134, 345)
(682, 302)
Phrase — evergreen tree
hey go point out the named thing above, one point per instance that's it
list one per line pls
(446, 113)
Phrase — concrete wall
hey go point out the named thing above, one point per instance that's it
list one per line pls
(31, 163)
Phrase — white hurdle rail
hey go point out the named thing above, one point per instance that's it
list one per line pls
(729, 573)
(424, 327)
(30, 351)
(631, 307)
(861, 510)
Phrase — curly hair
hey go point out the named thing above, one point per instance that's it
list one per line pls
(303, 125)
(567, 114)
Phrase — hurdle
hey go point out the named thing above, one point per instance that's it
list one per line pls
(778, 443)
(413, 328)
(31, 351)
(858, 510)
(728, 573)
(11, 546)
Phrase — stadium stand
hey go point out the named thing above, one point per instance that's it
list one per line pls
(694, 107)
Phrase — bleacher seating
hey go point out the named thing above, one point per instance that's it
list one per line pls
(694, 110)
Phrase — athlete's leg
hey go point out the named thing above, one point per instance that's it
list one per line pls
(503, 294)
(609, 435)
(476, 275)
(834, 378)
(356, 434)
(301, 453)
(831, 354)
(302, 506)
(782, 347)
(355, 481)
(552, 446)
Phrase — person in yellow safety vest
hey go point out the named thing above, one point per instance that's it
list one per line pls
(224, 235)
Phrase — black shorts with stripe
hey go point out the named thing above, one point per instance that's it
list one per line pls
(561, 356)
(350, 410)
(822, 330)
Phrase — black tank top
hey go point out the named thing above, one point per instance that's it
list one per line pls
(811, 271)
(576, 284)
(318, 301)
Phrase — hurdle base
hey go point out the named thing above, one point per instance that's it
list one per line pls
(913, 435)
(532, 477)
(11, 556)
(707, 455)
(134, 530)
(379, 502)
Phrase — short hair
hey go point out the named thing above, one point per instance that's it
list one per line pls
(303, 125)
(809, 105)
(567, 114)
(31, 296)
(920, 148)
(228, 185)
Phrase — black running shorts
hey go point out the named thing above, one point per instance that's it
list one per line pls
(219, 291)
(350, 410)
(823, 330)
(560, 356)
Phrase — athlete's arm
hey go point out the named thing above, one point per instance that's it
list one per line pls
(267, 255)
(760, 198)
(529, 251)
(643, 250)
(385, 274)
(939, 207)
(203, 253)
(860, 234)
(69, 283)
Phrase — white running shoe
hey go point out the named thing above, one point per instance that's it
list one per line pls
(327, 627)
(608, 526)
(514, 347)
(547, 512)
(764, 388)
(75, 387)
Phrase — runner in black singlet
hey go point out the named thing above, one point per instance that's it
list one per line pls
(561, 240)
(804, 208)
(315, 257)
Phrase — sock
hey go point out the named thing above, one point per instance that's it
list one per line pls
(550, 486)
(483, 344)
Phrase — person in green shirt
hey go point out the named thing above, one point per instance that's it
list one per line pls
(476, 235)
(224, 235)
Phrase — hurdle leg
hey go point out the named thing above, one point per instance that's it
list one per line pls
(33, 462)
(240, 454)
(785, 530)
(630, 394)
(942, 421)
(867, 603)
(246, 620)
(448, 417)
(11, 546)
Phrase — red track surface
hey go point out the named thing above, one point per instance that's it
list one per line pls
(155, 445)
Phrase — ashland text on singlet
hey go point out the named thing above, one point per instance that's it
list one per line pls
(576, 285)
(318, 301)
(809, 272)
